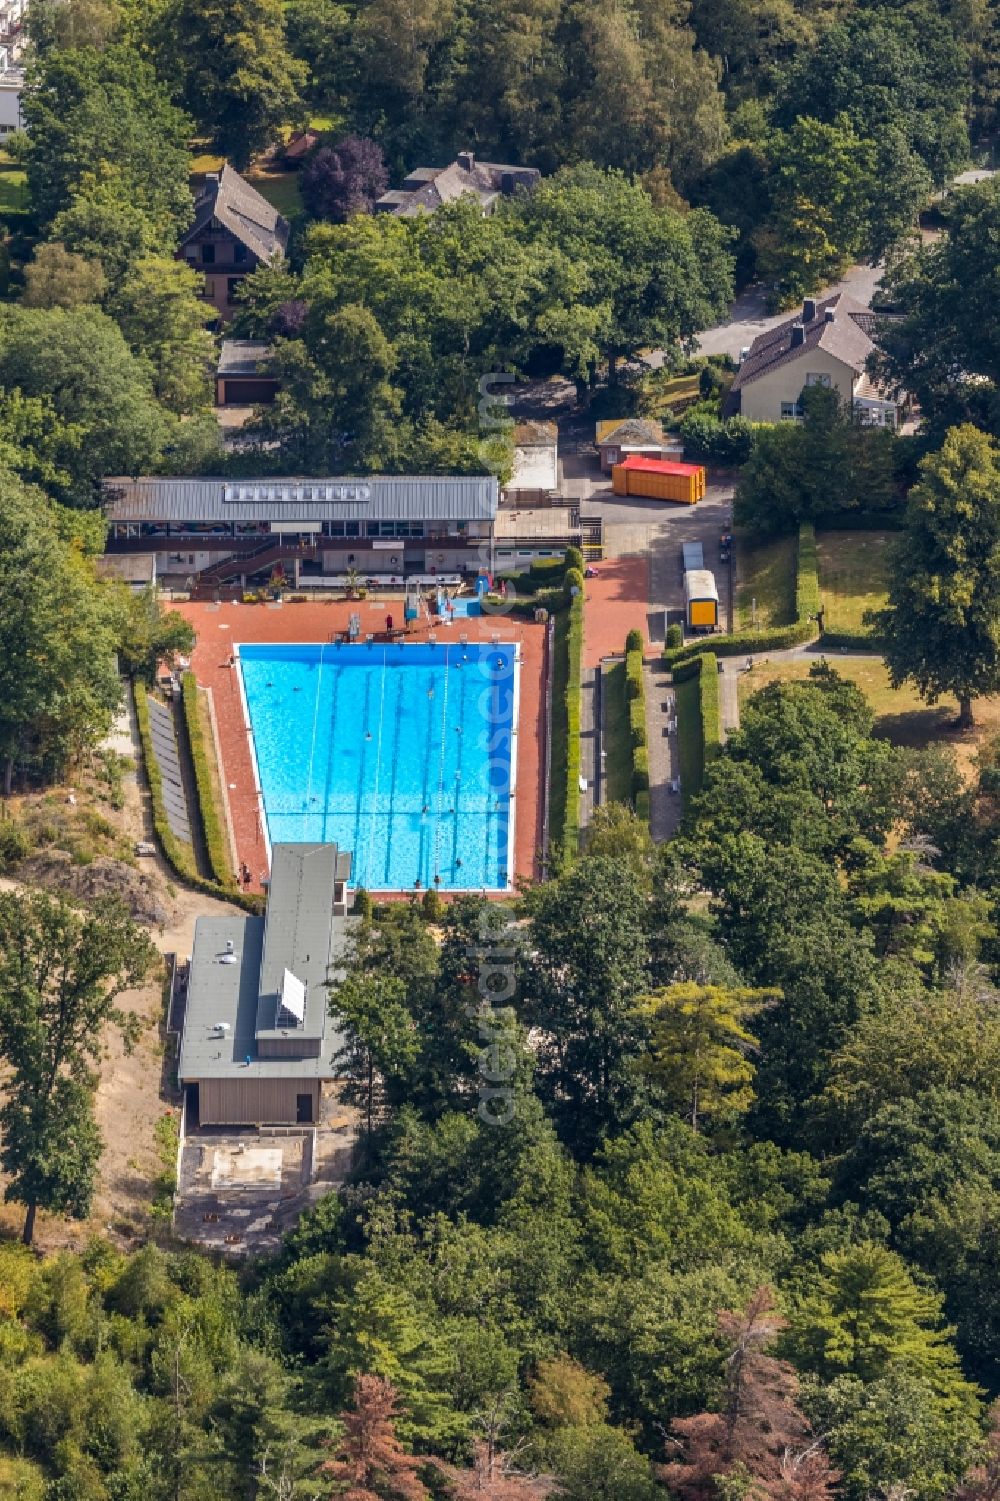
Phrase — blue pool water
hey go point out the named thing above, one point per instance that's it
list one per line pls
(401, 754)
(459, 607)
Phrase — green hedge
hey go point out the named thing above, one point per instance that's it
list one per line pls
(775, 638)
(637, 722)
(635, 698)
(215, 835)
(177, 855)
(855, 641)
(640, 773)
(703, 731)
(710, 706)
(633, 675)
(564, 787)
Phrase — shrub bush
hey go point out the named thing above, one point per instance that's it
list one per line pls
(634, 642)
(547, 570)
(216, 843)
(675, 636)
(709, 438)
(15, 843)
(573, 558)
(573, 580)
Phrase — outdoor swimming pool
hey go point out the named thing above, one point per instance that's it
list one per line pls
(401, 754)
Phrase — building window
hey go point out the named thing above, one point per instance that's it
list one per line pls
(209, 287)
(818, 379)
(239, 253)
(791, 410)
(208, 255)
(232, 285)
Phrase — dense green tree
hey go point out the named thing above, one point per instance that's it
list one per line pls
(56, 277)
(102, 223)
(942, 624)
(159, 310)
(895, 1433)
(819, 199)
(61, 974)
(380, 1043)
(148, 634)
(700, 1046)
(588, 940)
(79, 360)
(234, 71)
(804, 471)
(59, 684)
(942, 344)
(336, 407)
(863, 1315)
(88, 111)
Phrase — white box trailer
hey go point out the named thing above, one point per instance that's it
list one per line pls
(701, 600)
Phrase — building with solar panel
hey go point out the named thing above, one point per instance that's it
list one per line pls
(258, 1041)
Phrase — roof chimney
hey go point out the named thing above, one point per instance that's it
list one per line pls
(809, 310)
(466, 160)
(830, 316)
(798, 335)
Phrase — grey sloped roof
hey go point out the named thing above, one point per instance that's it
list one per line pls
(427, 188)
(367, 498)
(237, 206)
(846, 338)
(634, 430)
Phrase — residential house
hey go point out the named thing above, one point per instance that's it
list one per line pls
(427, 188)
(827, 344)
(258, 1041)
(235, 230)
(638, 437)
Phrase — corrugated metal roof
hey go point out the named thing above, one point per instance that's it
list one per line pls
(210, 501)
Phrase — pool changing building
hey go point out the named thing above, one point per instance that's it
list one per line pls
(224, 532)
(258, 1041)
(210, 533)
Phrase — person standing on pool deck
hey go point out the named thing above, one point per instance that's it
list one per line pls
(388, 622)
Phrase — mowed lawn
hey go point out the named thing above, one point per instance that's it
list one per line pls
(901, 715)
(853, 577)
(617, 741)
(765, 582)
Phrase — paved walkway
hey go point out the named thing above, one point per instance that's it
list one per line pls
(664, 805)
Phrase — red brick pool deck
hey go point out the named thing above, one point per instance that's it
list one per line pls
(615, 601)
(220, 627)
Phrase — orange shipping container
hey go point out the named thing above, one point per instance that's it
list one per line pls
(659, 479)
